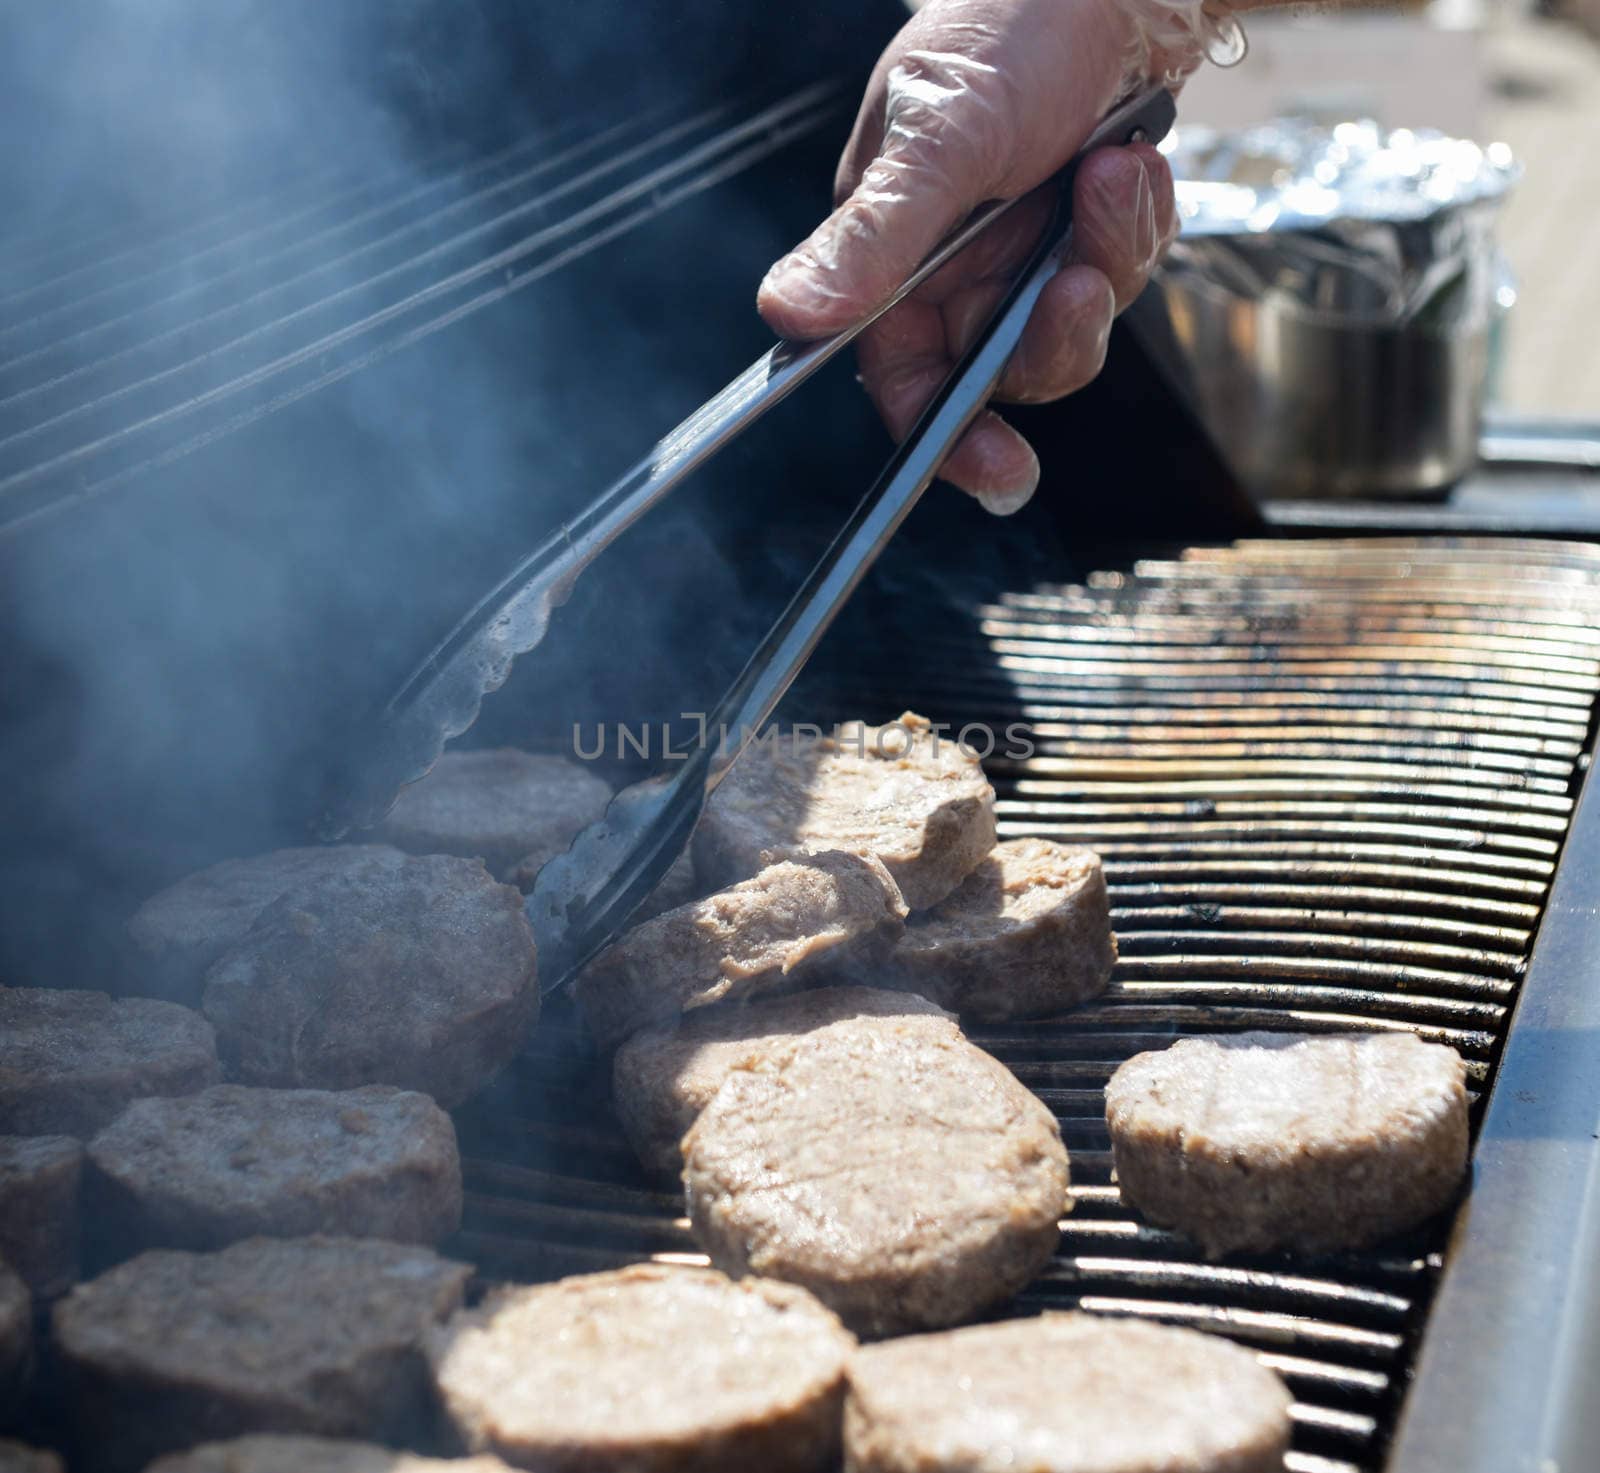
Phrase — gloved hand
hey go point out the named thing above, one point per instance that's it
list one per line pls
(977, 100)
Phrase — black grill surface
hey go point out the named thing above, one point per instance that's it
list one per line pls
(1330, 780)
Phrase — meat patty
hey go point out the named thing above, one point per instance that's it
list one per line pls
(662, 1078)
(16, 1339)
(270, 1335)
(266, 1452)
(1025, 935)
(741, 941)
(236, 1162)
(39, 1180)
(418, 973)
(902, 1175)
(503, 806)
(648, 1368)
(17, 1457)
(1281, 1140)
(177, 934)
(917, 800)
(70, 1061)
(1064, 1393)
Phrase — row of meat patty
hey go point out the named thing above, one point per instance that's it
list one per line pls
(249, 1147)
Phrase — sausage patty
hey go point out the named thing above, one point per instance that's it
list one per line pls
(16, 1339)
(1282, 1140)
(902, 1175)
(418, 973)
(71, 1061)
(177, 934)
(266, 1452)
(743, 940)
(503, 806)
(1064, 1393)
(1025, 935)
(17, 1457)
(39, 1219)
(916, 799)
(662, 1078)
(273, 1334)
(648, 1368)
(235, 1162)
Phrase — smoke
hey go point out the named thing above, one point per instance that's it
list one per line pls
(188, 653)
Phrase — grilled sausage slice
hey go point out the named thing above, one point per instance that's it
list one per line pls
(17, 1457)
(315, 1335)
(1025, 935)
(902, 1175)
(509, 808)
(662, 1078)
(1262, 1141)
(234, 1162)
(1064, 1393)
(16, 1339)
(71, 1061)
(418, 973)
(914, 797)
(750, 938)
(266, 1452)
(180, 931)
(649, 1368)
(40, 1176)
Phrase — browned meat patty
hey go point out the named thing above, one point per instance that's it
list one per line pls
(1025, 935)
(505, 807)
(902, 1175)
(266, 1452)
(176, 934)
(235, 1162)
(70, 1061)
(39, 1180)
(1064, 1393)
(744, 940)
(919, 802)
(271, 1335)
(419, 974)
(16, 1339)
(1281, 1140)
(648, 1368)
(17, 1457)
(662, 1078)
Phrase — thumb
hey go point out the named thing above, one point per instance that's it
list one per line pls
(944, 146)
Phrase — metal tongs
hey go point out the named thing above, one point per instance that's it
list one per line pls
(582, 899)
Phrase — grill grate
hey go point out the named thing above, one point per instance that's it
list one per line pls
(141, 354)
(1330, 780)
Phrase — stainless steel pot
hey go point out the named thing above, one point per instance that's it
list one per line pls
(1334, 302)
(1305, 404)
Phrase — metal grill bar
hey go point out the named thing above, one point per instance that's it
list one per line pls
(1358, 829)
(308, 245)
(160, 436)
(337, 267)
(293, 221)
(158, 245)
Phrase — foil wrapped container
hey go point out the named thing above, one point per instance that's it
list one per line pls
(1334, 291)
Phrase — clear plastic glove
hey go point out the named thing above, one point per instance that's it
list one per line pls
(977, 100)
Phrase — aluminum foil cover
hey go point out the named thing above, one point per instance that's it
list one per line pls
(1350, 221)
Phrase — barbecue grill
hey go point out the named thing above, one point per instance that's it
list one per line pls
(1334, 767)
